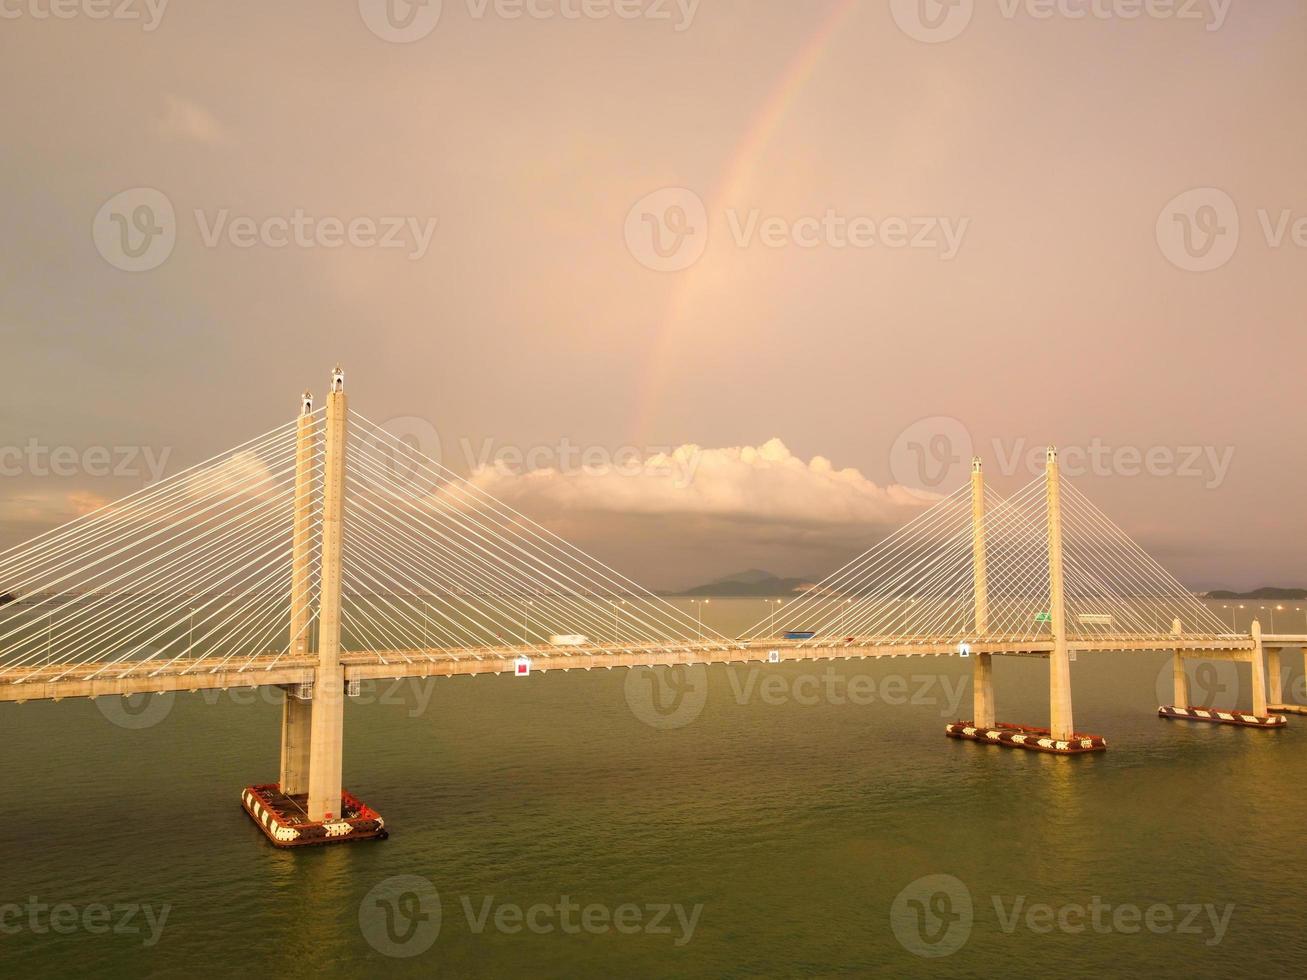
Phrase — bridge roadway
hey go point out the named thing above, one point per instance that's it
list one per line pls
(55, 681)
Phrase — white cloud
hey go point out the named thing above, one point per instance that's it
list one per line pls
(40, 509)
(186, 120)
(766, 484)
(685, 516)
(243, 475)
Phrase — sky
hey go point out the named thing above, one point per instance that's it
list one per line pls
(704, 286)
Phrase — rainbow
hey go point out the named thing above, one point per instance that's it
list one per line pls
(736, 180)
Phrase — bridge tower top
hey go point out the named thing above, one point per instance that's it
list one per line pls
(976, 464)
(306, 402)
(338, 379)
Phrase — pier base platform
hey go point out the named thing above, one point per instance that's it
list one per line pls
(285, 822)
(1216, 716)
(1289, 709)
(1025, 737)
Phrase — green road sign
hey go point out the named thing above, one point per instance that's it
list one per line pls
(1043, 617)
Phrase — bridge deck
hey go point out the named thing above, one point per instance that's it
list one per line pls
(56, 681)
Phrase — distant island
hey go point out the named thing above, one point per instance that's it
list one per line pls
(1266, 592)
(756, 583)
(753, 583)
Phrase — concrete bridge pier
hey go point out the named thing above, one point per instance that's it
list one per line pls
(1259, 672)
(982, 670)
(309, 805)
(1276, 682)
(1179, 677)
(326, 749)
(1265, 713)
(1061, 719)
(297, 712)
(1060, 736)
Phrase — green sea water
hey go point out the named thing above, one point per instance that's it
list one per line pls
(793, 820)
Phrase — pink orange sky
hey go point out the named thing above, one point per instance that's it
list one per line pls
(516, 318)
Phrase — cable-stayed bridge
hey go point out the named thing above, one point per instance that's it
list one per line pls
(327, 552)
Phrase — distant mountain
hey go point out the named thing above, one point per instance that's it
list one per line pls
(1262, 593)
(751, 583)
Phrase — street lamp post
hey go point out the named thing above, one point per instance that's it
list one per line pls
(700, 603)
(616, 631)
(1270, 610)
